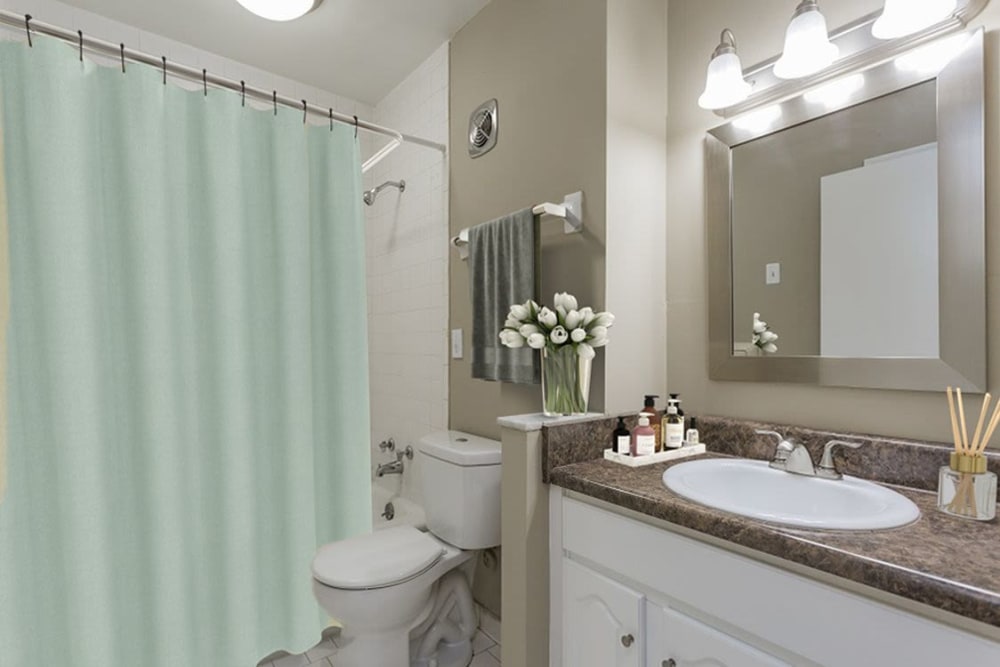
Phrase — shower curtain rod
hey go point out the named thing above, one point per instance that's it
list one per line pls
(120, 51)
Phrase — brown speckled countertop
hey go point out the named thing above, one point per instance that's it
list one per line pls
(948, 563)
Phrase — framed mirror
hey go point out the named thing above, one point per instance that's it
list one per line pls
(851, 220)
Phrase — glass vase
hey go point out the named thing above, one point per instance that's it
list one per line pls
(565, 381)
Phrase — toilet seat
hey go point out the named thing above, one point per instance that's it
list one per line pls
(381, 559)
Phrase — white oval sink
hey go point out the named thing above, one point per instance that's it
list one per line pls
(752, 489)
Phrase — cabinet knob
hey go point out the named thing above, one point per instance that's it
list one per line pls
(627, 640)
(669, 663)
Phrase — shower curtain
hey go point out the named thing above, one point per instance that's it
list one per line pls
(187, 390)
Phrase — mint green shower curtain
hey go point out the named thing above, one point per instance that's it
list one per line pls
(187, 391)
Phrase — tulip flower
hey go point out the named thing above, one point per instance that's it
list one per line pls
(559, 335)
(585, 351)
(604, 319)
(578, 335)
(547, 317)
(519, 312)
(528, 329)
(586, 316)
(536, 341)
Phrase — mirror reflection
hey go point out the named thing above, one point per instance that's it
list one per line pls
(835, 234)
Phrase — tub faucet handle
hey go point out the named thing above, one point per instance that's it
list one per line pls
(387, 445)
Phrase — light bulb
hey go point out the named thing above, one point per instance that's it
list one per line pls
(905, 17)
(807, 44)
(280, 10)
(724, 83)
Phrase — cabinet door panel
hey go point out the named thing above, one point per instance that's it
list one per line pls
(691, 643)
(602, 620)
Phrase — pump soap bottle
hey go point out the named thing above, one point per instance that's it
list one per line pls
(649, 408)
(621, 439)
(643, 438)
(673, 428)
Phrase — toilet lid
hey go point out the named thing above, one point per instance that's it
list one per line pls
(380, 559)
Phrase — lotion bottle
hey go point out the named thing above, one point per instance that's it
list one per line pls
(621, 439)
(673, 428)
(643, 437)
(649, 407)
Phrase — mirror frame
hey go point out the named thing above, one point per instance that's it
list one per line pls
(962, 241)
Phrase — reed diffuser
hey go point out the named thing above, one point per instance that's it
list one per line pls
(965, 488)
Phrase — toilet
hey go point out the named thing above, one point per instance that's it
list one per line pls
(399, 594)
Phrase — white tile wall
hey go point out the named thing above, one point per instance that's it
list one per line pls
(408, 270)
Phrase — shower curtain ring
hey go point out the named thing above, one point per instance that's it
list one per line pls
(331, 119)
(305, 111)
(123, 56)
(164, 70)
(80, 34)
(243, 93)
(27, 28)
(355, 127)
(204, 80)
(274, 98)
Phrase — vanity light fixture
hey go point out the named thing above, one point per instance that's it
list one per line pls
(807, 44)
(759, 120)
(280, 10)
(905, 17)
(724, 83)
(933, 57)
(836, 92)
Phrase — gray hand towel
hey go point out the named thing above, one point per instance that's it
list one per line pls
(502, 260)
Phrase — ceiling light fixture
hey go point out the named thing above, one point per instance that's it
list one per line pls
(905, 17)
(724, 83)
(807, 44)
(280, 10)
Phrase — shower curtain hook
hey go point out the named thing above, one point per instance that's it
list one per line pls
(274, 98)
(355, 127)
(27, 28)
(243, 93)
(80, 33)
(204, 80)
(305, 111)
(123, 56)
(331, 119)
(164, 70)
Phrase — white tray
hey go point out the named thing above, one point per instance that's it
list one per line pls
(659, 457)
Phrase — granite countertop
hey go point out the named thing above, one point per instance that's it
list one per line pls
(939, 560)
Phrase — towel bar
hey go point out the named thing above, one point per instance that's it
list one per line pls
(570, 211)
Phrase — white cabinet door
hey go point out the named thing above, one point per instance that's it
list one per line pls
(672, 636)
(602, 620)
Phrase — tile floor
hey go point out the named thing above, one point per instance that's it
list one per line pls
(485, 649)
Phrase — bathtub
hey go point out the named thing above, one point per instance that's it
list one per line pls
(405, 511)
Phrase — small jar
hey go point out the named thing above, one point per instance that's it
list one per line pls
(966, 489)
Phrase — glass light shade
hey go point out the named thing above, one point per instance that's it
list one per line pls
(905, 17)
(724, 83)
(280, 10)
(807, 45)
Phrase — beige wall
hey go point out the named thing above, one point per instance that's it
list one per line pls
(776, 207)
(693, 32)
(544, 61)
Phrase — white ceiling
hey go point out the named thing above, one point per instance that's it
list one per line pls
(356, 48)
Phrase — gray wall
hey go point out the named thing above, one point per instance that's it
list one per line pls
(693, 33)
(544, 61)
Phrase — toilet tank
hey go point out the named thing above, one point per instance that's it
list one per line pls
(461, 483)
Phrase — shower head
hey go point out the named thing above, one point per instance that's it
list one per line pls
(370, 195)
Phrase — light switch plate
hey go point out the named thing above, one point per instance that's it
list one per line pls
(456, 343)
(772, 274)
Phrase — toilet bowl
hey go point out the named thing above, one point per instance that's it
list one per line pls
(398, 593)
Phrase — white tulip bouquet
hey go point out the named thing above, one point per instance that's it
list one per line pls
(568, 337)
(763, 337)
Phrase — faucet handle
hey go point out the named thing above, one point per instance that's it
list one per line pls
(826, 468)
(388, 445)
(784, 446)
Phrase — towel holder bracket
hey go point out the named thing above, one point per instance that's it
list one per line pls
(571, 211)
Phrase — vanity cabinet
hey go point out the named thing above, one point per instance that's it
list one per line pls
(627, 592)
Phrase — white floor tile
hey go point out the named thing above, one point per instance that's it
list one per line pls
(484, 660)
(321, 650)
(490, 625)
(495, 652)
(481, 643)
(292, 661)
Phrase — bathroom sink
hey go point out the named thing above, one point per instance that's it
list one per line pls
(752, 489)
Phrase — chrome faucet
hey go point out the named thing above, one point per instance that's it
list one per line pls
(793, 457)
(394, 467)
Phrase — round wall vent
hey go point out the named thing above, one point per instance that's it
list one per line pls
(483, 129)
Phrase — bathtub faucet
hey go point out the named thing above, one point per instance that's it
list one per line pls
(394, 467)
